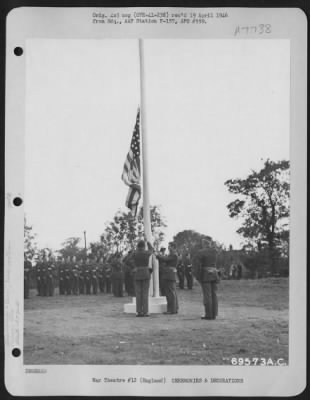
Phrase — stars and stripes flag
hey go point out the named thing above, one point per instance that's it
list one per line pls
(131, 175)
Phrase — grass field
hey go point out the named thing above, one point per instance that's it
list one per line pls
(252, 322)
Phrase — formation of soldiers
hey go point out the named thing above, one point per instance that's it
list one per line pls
(90, 275)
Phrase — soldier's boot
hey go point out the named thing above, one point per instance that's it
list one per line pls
(206, 316)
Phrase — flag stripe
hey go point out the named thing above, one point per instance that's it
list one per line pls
(131, 175)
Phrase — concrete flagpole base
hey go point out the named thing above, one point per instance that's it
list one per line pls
(157, 305)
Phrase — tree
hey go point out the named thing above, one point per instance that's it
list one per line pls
(124, 231)
(189, 241)
(30, 245)
(158, 222)
(70, 248)
(263, 206)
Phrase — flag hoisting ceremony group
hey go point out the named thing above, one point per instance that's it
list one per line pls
(114, 273)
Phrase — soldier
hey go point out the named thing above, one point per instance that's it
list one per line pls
(61, 276)
(38, 276)
(68, 276)
(108, 275)
(75, 271)
(44, 275)
(94, 276)
(101, 275)
(50, 276)
(239, 271)
(139, 261)
(170, 276)
(117, 276)
(27, 272)
(160, 272)
(180, 272)
(206, 274)
(81, 276)
(188, 270)
(87, 276)
(129, 282)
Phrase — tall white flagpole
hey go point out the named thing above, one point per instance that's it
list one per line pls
(154, 287)
(157, 304)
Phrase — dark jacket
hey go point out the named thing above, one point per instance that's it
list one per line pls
(205, 265)
(169, 266)
(139, 260)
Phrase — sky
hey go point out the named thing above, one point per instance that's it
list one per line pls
(215, 109)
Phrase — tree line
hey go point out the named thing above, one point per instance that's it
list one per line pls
(261, 205)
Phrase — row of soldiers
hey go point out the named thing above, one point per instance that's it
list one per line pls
(84, 276)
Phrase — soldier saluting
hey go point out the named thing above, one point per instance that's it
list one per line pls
(206, 274)
(169, 275)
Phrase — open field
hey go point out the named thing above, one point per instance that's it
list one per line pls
(252, 322)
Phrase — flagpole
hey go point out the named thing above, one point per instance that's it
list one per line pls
(145, 181)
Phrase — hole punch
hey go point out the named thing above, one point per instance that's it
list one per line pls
(16, 352)
(18, 51)
(17, 201)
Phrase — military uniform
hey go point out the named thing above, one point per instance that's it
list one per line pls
(50, 278)
(128, 276)
(101, 276)
(108, 277)
(75, 271)
(207, 276)
(169, 276)
(87, 277)
(94, 277)
(27, 272)
(160, 274)
(61, 277)
(181, 273)
(44, 276)
(68, 277)
(38, 277)
(82, 277)
(139, 261)
(117, 277)
(188, 271)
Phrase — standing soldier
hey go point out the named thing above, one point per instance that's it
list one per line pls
(188, 270)
(108, 275)
(75, 276)
(170, 276)
(38, 276)
(239, 271)
(117, 276)
(44, 275)
(27, 273)
(160, 272)
(206, 274)
(94, 276)
(128, 276)
(81, 276)
(87, 275)
(50, 278)
(140, 263)
(68, 277)
(180, 272)
(101, 275)
(61, 276)
(111, 262)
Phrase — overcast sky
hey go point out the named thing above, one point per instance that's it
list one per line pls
(215, 109)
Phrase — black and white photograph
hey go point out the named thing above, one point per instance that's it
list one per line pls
(156, 202)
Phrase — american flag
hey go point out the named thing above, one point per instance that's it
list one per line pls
(132, 171)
